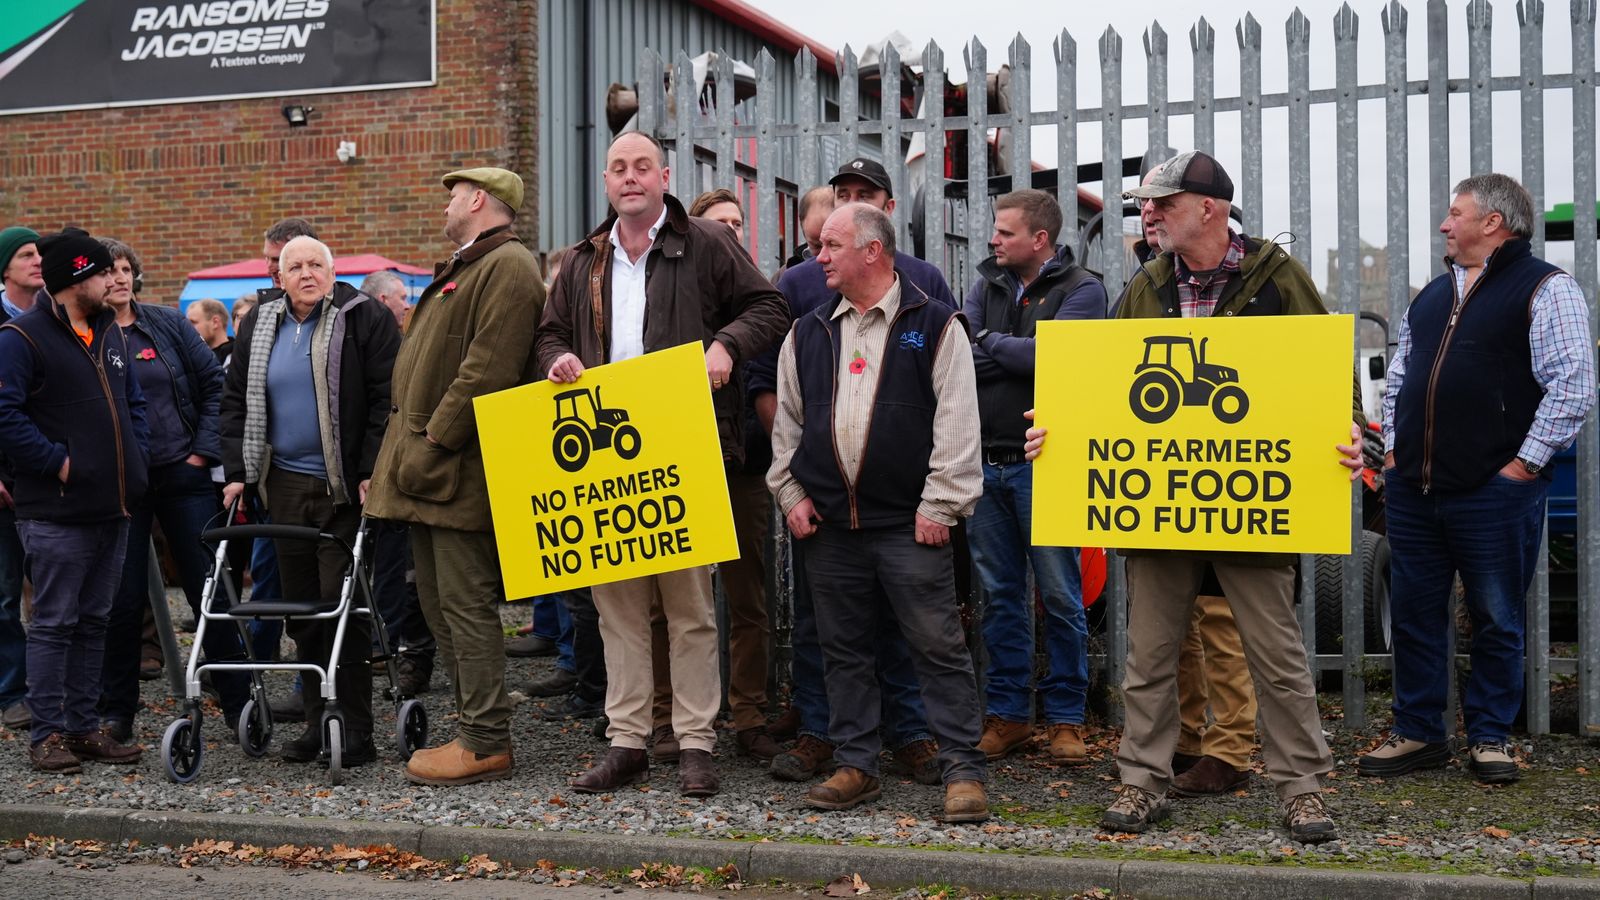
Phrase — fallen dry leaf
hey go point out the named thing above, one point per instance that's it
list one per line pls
(1494, 832)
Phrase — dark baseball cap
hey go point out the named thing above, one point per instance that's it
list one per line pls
(867, 170)
(1193, 172)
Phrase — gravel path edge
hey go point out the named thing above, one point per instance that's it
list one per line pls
(789, 862)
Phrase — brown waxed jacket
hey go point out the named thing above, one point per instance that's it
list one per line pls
(470, 334)
(700, 285)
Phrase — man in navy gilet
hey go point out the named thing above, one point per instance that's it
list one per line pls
(806, 287)
(1493, 374)
(874, 459)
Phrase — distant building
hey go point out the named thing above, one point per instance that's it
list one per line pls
(1374, 282)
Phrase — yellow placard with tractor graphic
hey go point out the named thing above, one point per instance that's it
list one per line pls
(1195, 434)
(614, 476)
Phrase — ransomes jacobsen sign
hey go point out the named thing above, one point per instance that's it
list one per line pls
(70, 54)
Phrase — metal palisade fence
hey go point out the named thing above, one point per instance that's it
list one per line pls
(743, 146)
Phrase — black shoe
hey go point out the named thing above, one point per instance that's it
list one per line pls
(530, 645)
(414, 673)
(358, 752)
(570, 707)
(558, 682)
(601, 726)
(121, 730)
(291, 710)
(305, 748)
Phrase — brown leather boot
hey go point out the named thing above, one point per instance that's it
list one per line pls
(664, 744)
(920, 760)
(965, 801)
(98, 746)
(847, 788)
(454, 764)
(785, 726)
(757, 742)
(618, 767)
(1208, 776)
(1066, 743)
(51, 755)
(697, 775)
(1001, 736)
(807, 758)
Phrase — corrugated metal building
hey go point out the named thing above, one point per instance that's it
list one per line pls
(586, 45)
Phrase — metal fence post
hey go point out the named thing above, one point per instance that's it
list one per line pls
(1438, 122)
(1480, 17)
(977, 219)
(1203, 43)
(1066, 53)
(933, 164)
(768, 254)
(1155, 51)
(1111, 160)
(1345, 30)
(1586, 270)
(894, 155)
(1248, 32)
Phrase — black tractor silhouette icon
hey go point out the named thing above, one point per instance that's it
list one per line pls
(1172, 372)
(576, 437)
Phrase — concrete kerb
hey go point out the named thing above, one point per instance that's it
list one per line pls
(795, 863)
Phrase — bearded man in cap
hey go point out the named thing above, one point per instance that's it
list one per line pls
(19, 281)
(72, 423)
(471, 334)
(1207, 270)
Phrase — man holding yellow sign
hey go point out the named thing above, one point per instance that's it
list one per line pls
(651, 278)
(1202, 455)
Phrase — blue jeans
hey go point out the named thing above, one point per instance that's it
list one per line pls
(999, 534)
(546, 617)
(265, 634)
(75, 570)
(903, 715)
(182, 498)
(566, 660)
(13, 640)
(1491, 536)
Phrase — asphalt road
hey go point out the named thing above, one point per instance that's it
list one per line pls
(52, 879)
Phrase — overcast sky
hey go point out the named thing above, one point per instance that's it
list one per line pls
(835, 23)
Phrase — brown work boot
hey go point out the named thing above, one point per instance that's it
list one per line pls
(99, 746)
(847, 788)
(454, 764)
(618, 767)
(920, 760)
(664, 745)
(965, 801)
(755, 742)
(1307, 818)
(1001, 736)
(807, 758)
(697, 775)
(785, 726)
(1136, 810)
(1066, 743)
(52, 755)
(1208, 776)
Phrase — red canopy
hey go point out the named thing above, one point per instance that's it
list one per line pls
(364, 264)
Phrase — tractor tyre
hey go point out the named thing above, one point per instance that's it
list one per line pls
(1224, 398)
(1155, 396)
(626, 441)
(571, 447)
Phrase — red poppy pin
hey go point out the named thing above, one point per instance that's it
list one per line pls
(147, 353)
(858, 363)
(448, 289)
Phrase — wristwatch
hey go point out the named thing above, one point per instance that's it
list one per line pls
(978, 338)
(1533, 468)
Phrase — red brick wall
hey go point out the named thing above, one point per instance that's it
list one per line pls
(195, 185)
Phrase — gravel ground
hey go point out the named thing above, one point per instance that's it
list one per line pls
(1440, 821)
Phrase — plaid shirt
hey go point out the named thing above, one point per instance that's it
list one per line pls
(1563, 364)
(1198, 299)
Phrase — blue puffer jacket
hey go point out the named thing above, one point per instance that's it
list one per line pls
(196, 374)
